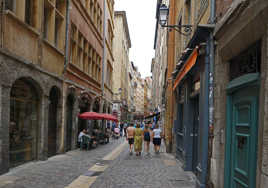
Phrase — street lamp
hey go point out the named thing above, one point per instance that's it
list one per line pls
(163, 18)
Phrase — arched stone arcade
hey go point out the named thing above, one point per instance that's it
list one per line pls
(54, 120)
(24, 121)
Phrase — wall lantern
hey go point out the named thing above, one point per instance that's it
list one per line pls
(163, 18)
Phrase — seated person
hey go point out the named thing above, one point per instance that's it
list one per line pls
(81, 134)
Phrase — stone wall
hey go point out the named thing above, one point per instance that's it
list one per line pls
(232, 38)
(264, 131)
(11, 69)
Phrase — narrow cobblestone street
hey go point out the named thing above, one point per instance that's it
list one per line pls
(58, 171)
(154, 171)
(108, 166)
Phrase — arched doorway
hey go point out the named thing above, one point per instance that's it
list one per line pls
(84, 106)
(54, 96)
(23, 129)
(69, 128)
(96, 108)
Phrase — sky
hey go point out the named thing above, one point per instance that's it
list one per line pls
(141, 23)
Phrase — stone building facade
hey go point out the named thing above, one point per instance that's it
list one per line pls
(43, 88)
(159, 67)
(121, 46)
(31, 85)
(239, 157)
(138, 95)
(87, 83)
(131, 104)
(147, 96)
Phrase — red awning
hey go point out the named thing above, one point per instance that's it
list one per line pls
(186, 68)
(109, 117)
(90, 116)
(97, 116)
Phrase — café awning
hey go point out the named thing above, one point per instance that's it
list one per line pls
(186, 67)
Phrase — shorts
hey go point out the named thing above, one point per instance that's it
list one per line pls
(147, 138)
(131, 141)
(157, 141)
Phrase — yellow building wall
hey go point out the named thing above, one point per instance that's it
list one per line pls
(27, 42)
(20, 39)
(53, 61)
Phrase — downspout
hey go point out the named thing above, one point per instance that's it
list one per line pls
(104, 48)
(211, 91)
(67, 30)
(205, 115)
(208, 103)
(2, 9)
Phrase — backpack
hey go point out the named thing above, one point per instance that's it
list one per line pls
(146, 136)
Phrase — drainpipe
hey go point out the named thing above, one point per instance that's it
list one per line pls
(2, 9)
(104, 48)
(208, 103)
(211, 91)
(67, 30)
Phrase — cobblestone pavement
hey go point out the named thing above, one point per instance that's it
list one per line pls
(144, 171)
(58, 171)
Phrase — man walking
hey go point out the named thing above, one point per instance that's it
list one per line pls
(130, 137)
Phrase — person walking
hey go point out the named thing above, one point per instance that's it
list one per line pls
(125, 129)
(147, 139)
(121, 129)
(156, 138)
(130, 137)
(138, 134)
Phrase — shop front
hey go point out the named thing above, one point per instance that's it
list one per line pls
(190, 89)
(24, 122)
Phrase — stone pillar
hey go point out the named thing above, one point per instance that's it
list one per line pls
(4, 127)
(60, 127)
(43, 128)
(75, 124)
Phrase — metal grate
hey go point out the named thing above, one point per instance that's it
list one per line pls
(247, 62)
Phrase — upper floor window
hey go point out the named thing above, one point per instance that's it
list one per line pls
(10, 5)
(53, 26)
(110, 34)
(29, 12)
(188, 11)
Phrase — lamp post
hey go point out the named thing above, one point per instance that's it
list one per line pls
(163, 18)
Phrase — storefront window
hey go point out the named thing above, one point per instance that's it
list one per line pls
(23, 123)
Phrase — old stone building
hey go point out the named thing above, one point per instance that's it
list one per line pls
(138, 95)
(239, 157)
(88, 71)
(31, 67)
(121, 46)
(56, 62)
(147, 96)
(189, 57)
(131, 103)
(159, 68)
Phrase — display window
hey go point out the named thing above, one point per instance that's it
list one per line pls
(23, 129)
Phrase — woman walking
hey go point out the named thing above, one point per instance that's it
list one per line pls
(138, 140)
(156, 138)
(147, 139)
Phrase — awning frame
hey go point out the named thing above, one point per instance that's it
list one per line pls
(191, 61)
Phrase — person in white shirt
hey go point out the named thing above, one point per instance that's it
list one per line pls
(82, 133)
(157, 134)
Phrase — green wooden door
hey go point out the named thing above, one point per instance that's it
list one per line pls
(243, 123)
